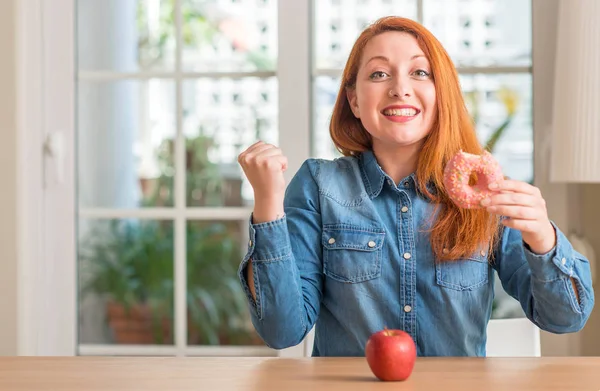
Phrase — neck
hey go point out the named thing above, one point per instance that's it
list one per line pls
(398, 163)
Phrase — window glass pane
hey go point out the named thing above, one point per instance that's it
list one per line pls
(217, 307)
(125, 132)
(337, 24)
(325, 90)
(229, 36)
(502, 108)
(482, 32)
(222, 117)
(125, 35)
(125, 282)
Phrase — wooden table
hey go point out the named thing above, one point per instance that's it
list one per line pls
(306, 374)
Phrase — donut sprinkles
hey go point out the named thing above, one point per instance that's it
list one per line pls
(458, 172)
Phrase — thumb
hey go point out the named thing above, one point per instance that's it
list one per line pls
(283, 161)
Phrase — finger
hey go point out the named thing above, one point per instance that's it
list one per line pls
(515, 186)
(262, 149)
(521, 225)
(259, 148)
(277, 162)
(253, 146)
(510, 198)
(249, 149)
(257, 145)
(284, 162)
(255, 152)
(515, 211)
(268, 154)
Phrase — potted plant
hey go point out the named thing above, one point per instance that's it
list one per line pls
(129, 264)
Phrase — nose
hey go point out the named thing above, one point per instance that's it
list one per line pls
(402, 88)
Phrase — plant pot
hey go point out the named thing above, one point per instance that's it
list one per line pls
(138, 325)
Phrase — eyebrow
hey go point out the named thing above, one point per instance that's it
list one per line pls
(384, 58)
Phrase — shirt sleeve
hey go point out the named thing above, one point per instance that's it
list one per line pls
(287, 267)
(543, 284)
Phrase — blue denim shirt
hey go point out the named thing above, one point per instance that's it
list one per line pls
(350, 258)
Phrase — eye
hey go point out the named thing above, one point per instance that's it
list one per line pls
(377, 75)
(422, 74)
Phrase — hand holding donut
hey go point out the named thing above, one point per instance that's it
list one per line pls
(525, 208)
(521, 202)
(264, 165)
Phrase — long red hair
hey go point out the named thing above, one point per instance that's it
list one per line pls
(455, 232)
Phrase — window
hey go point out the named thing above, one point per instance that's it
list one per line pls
(169, 92)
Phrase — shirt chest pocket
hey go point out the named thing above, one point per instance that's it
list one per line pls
(464, 274)
(352, 254)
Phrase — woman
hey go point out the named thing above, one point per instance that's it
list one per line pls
(371, 240)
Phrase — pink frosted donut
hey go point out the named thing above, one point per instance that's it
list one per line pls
(457, 174)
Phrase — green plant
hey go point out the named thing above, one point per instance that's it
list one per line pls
(215, 299)
(130, 262)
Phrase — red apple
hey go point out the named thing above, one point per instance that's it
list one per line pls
(391, 354)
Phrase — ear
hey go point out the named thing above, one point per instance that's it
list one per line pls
(352, 100)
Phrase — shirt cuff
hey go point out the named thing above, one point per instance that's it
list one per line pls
(556, 263)
(268, 241)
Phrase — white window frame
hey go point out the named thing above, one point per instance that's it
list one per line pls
(46, 231)
(47, 286)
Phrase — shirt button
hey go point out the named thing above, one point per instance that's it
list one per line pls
(331, 241)
(250, 243)
(390, 182)
(406, 184)
(406, 255)
(482, 253)
(371, 244)
(407, 308)
(563, 261)
(446, 251)
(404, 209)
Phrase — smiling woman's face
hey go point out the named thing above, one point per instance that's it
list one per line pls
(395, 94)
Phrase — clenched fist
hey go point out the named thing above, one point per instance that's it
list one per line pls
(264, 165)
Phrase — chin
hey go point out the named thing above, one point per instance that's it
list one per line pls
(405, 141)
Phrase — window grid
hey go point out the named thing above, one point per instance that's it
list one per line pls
(180, 213)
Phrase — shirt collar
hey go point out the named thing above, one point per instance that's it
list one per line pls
(374, 177)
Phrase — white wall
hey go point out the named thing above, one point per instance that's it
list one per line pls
(590, 206)
(562, 200)
(8, 177)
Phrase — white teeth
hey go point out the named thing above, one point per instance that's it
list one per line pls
(401, 112)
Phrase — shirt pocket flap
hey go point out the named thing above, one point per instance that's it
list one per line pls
(352, 254)
(465, 274)
(337, 238)
(478, 256)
